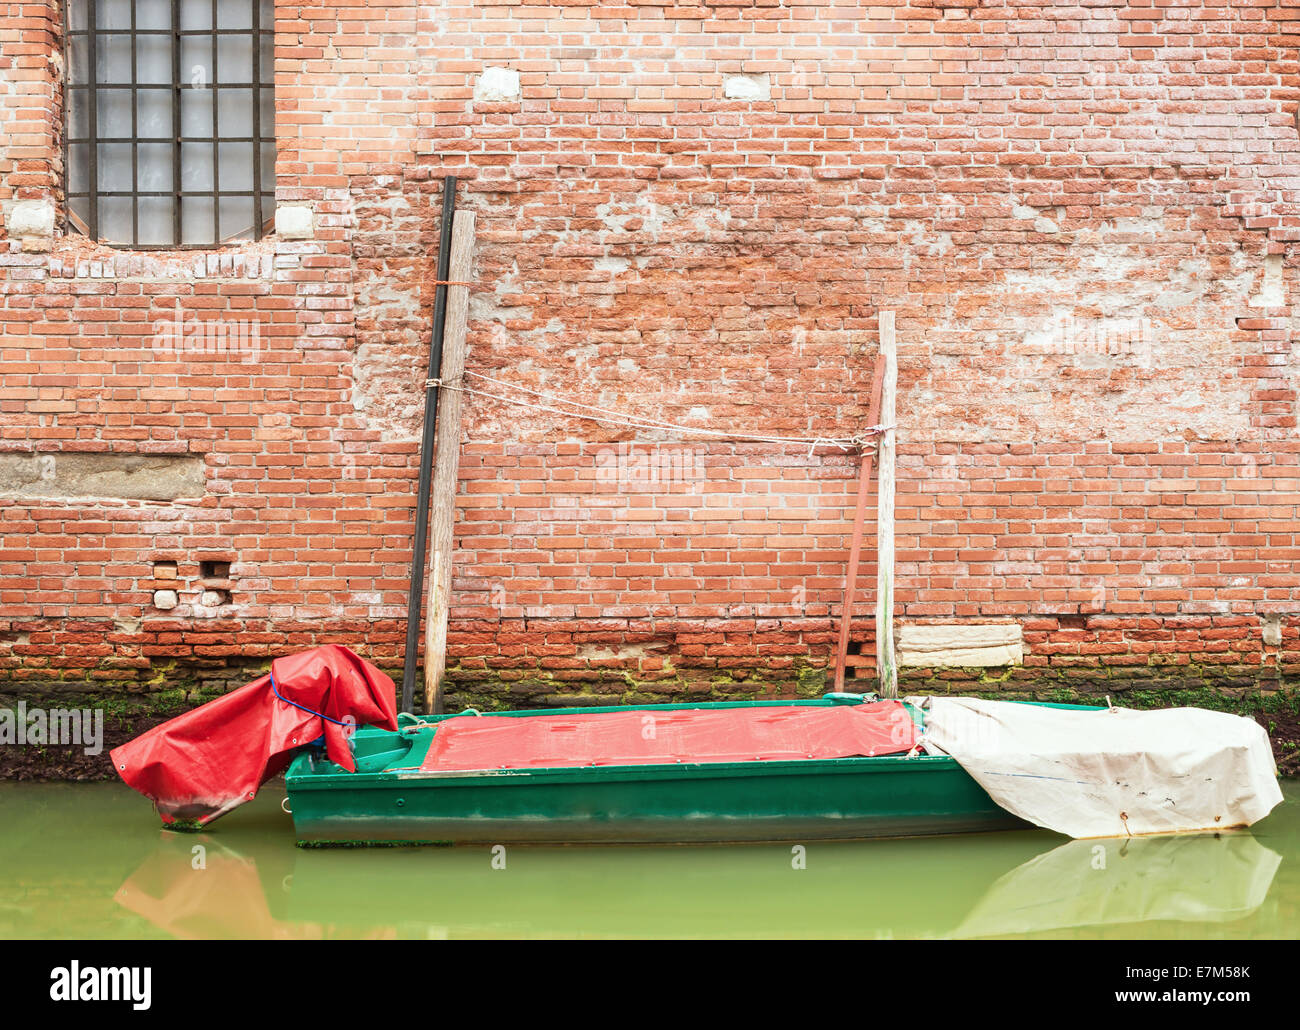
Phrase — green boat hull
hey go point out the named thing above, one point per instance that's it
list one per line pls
(752, 801)
(389, 800)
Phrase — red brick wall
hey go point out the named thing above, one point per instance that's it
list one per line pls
(1084, 218)
(30, 99)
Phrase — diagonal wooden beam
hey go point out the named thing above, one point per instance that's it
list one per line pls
(859, 522)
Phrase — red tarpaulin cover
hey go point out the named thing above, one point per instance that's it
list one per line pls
(204, 763)
(666, 737)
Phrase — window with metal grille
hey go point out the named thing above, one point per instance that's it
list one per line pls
(170, 120)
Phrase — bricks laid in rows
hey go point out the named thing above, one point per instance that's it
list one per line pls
(1084, 217)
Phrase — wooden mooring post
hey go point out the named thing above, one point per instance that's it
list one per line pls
(447, 461)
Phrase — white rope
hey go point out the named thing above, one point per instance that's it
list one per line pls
(609, 416)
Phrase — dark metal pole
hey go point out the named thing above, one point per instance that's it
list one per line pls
(426, 449)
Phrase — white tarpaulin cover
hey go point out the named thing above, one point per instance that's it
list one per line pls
(1109, 772)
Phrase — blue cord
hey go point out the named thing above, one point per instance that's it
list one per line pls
(311, 711)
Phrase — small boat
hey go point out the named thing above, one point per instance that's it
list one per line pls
(844, 766)
(397, 796)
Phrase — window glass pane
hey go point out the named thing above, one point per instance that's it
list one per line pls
(196, 14)
(112, 14)
(78, 60)
(80, 206)
(196, 60)
(78, 113)
(77, 10)
(234, 58)
(154, 167)
(268, 167)
(266, 109)
(154, 113)
(196, 166)
(114, 114)
(236, 165)
(113, 59)
(196, 113)
(114, 166)
(153, 59)
(78, 168)
(153, 14)
(236, 217)
(116, 219)
(267, 47)
(235, 112)
(235, 14)
(196, 220)
(156, 226)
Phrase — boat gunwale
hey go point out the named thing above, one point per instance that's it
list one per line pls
(648, 771)
(825, 701)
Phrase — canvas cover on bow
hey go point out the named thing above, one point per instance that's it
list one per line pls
(204, 763)
(1109, 772)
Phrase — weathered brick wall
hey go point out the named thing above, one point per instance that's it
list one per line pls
(608, 568)
(243, 356)
(1084, 218)
(30, 101)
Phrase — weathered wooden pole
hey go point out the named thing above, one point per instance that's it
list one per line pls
(886, 667)
(447, 461)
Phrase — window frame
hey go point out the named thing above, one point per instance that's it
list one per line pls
(262, 218)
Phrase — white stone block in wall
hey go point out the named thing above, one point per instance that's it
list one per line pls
(294, 222)
(747, 87)
(32, 222)
(497, 85)
(959, 645)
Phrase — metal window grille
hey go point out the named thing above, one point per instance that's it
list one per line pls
(170, 120)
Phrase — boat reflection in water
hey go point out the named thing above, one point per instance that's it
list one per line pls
(1202, 878)
(977, 885)
(204, 891)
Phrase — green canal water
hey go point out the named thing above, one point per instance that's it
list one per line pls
(90, 861)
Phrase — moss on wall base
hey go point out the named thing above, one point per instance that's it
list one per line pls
(1271, 696)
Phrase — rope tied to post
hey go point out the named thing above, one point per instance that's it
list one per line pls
(631, 420)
